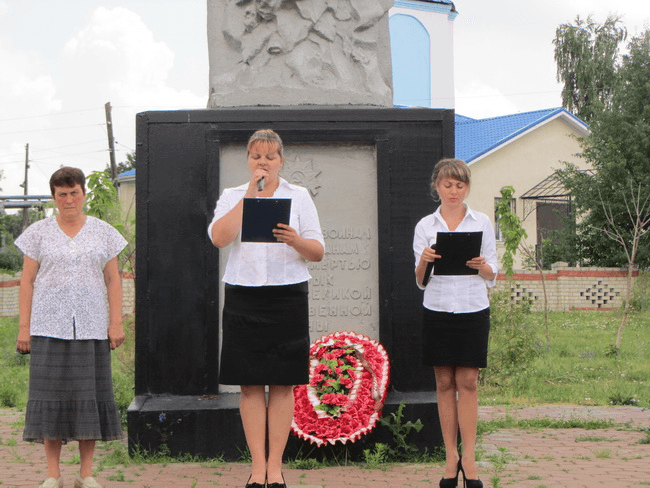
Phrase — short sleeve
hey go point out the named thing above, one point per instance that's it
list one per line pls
(115, 243)
(29, 242)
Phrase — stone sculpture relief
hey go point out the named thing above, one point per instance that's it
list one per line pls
(299, 52)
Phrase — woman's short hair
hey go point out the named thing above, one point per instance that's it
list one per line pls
(452, 168)
(68, 177)
(266, 137)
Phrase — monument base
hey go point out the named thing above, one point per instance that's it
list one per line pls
(210, 426)
(178, 402)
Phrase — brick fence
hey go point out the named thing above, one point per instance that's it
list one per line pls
(566, 287)
(570, 288)
(9, 294)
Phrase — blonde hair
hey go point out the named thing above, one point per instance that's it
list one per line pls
(266, 137)
(451, 168)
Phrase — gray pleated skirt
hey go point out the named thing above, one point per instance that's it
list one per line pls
(71, 392)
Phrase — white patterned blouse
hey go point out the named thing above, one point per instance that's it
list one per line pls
(70, 299)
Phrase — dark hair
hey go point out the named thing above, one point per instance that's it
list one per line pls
(267, 137)
(68, 177)
(453, 168)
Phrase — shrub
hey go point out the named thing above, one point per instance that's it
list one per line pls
(513, 342)
(640, 300)
(8, 396)
(11, 259)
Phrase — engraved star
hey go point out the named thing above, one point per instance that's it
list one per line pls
(303, 173)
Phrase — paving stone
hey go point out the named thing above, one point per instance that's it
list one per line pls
(534, 458)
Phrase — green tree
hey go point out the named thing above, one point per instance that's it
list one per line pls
(102, 202)
(587, 59)
(123, 166)
(515, 239)
(618, 148)
(614, 201)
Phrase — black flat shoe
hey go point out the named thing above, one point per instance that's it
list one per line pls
(277, 485)
(451, 482)
(254, 485)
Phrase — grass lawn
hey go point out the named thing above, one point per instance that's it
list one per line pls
(580, 368)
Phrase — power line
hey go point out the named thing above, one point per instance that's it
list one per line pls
(49, 115)
(51, 148)
(124, 146)
(63, 155)
(52, 128)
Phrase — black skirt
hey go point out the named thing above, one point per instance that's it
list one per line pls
(455, 339)
(71, 392)
(265, 335)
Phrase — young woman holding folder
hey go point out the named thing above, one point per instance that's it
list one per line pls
(265, 315)
(456, 316)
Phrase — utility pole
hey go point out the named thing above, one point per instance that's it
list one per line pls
(111, 142)
(25, 192)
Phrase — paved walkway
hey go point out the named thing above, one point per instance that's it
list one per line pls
(548, 458)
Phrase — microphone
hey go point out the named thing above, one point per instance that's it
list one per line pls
(260, 184)
(427, 272)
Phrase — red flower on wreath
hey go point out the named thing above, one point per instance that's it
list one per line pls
(348, 383)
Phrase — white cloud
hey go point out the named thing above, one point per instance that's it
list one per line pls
(25, 90)
(118, 56)
(24, 87)
(478, 100)
(115, 58)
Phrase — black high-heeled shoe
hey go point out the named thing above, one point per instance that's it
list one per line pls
(254, 485)
(467, 483)
(451, 482)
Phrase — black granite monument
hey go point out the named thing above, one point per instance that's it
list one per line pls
(178, 400)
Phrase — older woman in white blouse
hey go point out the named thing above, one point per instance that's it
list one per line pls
(70, 274)
(265, 316)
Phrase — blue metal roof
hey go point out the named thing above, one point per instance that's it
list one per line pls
(130, 172)
(475, 137)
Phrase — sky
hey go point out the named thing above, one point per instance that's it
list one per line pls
(62, 61)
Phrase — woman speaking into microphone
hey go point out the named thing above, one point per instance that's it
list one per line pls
(265, 315)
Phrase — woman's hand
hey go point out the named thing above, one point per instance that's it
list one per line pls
(309, 249)
(24, 342)
(116, 335)
(25, 295)
(256, 176)
(484, 269)
(429, 255)
(286, 234)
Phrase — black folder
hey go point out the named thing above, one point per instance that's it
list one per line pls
(455, 249)
(261, 216)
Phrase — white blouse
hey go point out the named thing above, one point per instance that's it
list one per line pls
(269, 264)
(457, 294)
(70, 299)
